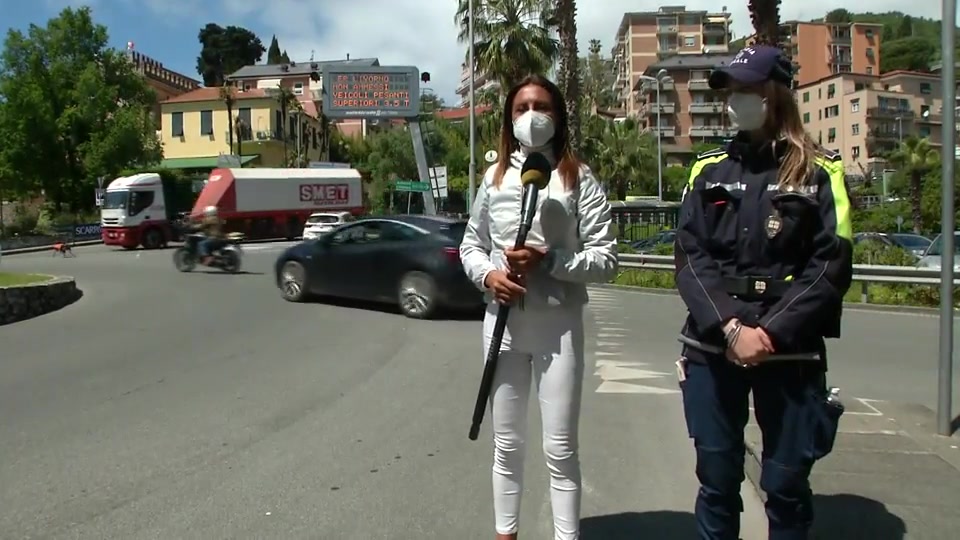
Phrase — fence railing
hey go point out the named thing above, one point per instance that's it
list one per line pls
(864, 274)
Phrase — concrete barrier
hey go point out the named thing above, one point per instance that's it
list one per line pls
(21, 302)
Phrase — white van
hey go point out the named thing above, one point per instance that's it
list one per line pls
(320, 223)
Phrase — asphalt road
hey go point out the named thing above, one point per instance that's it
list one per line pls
(168, 405)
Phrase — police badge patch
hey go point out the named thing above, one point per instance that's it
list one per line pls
(773, 224)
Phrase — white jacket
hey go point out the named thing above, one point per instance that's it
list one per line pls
(574, 226)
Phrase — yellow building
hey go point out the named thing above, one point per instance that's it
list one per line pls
(194, 130)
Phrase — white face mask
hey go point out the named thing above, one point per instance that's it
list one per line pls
(533, 129)
(747, 111)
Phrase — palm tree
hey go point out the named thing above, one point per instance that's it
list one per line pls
(226, 94)
(288, 103)
(512, 38)
(765, 16)
(566, 15)
(622, 153)
(916, 157)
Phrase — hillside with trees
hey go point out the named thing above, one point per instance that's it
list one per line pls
(907, 42)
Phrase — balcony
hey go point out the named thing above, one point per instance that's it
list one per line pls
(698, 84)
(247, 135)
(883, 136)
(666, 30)
(665, 108)
(890, 113)
(712, 131)
(930, 119)
(665, 131)
(715, 29)
(712, 107)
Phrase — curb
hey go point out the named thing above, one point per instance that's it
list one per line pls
(45, 247)
(752, 468)
(22, 302)
(883, 308)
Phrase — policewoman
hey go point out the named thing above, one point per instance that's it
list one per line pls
(763, 259)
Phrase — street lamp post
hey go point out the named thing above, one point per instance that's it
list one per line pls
(472, 172)
(662, 77)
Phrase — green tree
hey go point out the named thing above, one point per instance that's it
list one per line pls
(621, 155)
(910, 53)
(226, 50)
(765, 16)
(839, 15)
(512, 38)
(569, 73)
(273, 53)
(917, 158)
(598, 76)
(73, 110)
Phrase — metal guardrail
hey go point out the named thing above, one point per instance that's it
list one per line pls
(865, 274)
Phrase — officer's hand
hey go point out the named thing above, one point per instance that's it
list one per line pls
(765, 339)
(749, 349)
(505, 289)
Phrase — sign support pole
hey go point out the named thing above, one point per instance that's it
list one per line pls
(429, 203)
(948, 161)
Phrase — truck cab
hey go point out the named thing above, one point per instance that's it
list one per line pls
(134, 212)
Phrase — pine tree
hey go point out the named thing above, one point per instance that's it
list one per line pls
(273, 53)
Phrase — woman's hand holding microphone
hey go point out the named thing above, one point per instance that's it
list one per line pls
(507, 286)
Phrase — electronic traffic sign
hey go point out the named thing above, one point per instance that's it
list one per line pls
(371, 92)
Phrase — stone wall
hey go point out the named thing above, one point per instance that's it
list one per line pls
(22, 302)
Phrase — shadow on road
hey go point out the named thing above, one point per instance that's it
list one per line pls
(853, 517)
(632, 525)
(383, 307)
(221, 272)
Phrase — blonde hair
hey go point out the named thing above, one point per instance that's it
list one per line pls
(783, 118)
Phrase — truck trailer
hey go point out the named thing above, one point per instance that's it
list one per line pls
(275, 203)
(141, 209)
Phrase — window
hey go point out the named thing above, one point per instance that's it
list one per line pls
(806, 97)
(699, 75)
(855, 129)
(869, 52)
(869, 33)
(246, 122)
(869, 70)
(361, 233)
(855, 152)
(315, 143)
(395, 232)
(689, 41)
(819, 93)
(855, 105)
(926, 88)
(924, 132)
(140, 201)
(298, 89)
(806, 118)
(206, 122)
(832, 135)
(278, 124)
(831, 91)
(176, 124)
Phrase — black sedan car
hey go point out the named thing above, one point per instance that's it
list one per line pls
(413, 261)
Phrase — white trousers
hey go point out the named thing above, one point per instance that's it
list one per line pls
(544, 347)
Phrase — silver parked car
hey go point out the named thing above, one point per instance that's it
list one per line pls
(933, 255)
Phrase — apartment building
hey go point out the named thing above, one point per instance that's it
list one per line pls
(689, 111)
(195, 129)
(166, 83)
(863, 116)
(304, 81)
(820, 49)
(481, 83)
(647, 37)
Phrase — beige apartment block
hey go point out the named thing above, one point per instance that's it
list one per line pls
(647, 37)
(690, 112)
(822, 49)
(863, 116)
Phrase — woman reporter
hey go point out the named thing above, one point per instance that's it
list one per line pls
(572, 242)
(763, 259)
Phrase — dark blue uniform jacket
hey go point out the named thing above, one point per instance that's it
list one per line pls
(736, 226)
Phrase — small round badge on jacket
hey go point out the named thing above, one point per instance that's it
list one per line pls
(773, 224)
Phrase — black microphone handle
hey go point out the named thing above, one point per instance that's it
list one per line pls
(489, 370)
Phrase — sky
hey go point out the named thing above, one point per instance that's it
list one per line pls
(421, 33)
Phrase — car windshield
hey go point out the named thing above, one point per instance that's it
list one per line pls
(314, 220)
(115, 200)
(936, 248)
(911, 241)
(454, 231)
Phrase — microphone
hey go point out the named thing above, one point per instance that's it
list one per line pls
(535, 175)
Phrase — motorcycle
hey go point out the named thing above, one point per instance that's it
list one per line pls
(227, 258)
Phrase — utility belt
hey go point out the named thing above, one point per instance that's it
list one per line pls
(718, 350)
(756, 287)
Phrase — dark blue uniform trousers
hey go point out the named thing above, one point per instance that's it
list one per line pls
(788, 399)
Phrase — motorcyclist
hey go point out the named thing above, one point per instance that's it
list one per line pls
(212, 228)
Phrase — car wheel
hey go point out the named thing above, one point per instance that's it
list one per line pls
(418, 295)
(293, 282)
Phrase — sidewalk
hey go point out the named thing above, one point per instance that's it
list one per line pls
(888, 478)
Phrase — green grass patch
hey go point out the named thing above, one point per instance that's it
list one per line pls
(12, 280)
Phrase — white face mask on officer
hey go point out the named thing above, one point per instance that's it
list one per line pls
(533, 129)
(747, 111)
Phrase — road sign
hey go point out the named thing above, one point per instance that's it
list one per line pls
(371, 92)
(439, 175)
(98, 197)
(899, 220)
(407, 185)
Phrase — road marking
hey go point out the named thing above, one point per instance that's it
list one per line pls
(616, 387)
(610, 372)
